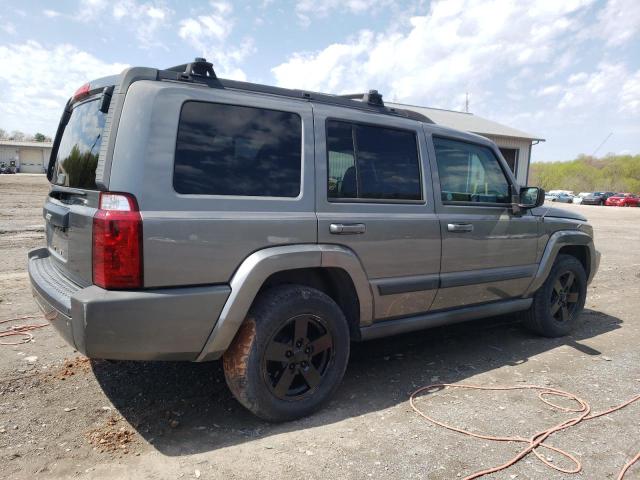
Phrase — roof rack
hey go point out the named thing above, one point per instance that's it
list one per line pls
(372, 97)
(201, 71)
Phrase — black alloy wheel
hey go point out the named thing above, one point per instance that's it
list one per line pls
(564, 297)
(297, 356)
(290, 354)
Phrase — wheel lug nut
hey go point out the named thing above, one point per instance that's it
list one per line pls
(292, 366)
(289, 354)
(307, 350)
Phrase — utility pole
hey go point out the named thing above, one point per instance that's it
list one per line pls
(466, 103)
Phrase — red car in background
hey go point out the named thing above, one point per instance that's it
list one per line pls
(623, 200)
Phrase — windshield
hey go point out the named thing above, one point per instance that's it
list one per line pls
(77, 157)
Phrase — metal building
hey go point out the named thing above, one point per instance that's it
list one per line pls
(514, 144)
(29, 157)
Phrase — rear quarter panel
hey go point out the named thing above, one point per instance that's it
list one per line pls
(201, 239)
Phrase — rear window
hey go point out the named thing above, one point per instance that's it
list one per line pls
(237, 150)
(77, 156)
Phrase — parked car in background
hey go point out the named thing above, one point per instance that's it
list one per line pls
(578, 198)
(597, 198)
(623, 200)
(563, 198)
(550, 197)
(4, 168)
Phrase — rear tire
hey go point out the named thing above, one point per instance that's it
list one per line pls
(557, 305)
(289, 355)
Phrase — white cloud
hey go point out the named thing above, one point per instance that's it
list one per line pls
(457, 45)
(549, 90)
(305, 9)
(609, 87)
(90, 9)
(8, 28)
(209, 35)
(217, 25)
(144, 19)
(630, 95)
(51, 13)
(61, 70)
(619, 21)
(578, 77)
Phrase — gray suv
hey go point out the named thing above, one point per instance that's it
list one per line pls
(196, 218)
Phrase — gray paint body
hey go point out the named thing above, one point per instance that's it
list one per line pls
(207, 256)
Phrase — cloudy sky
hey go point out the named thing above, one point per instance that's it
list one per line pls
(565, 70)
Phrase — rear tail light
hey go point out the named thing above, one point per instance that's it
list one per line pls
(117, 242)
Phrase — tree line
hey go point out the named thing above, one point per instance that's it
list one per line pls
(613, 173)
(18, 136)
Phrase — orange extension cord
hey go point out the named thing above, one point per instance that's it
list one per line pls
(20, 330)
(538, 438)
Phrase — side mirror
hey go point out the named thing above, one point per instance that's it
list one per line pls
(531, 197)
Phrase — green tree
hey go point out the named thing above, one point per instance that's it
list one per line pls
(619, 173)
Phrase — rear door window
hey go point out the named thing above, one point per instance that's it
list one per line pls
(77, 157)
(470, 173)
(371, 162)
(236, 150)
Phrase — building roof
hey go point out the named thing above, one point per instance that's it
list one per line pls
(467, 122)
(13, 143)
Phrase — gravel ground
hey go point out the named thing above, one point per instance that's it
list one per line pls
(64, 416)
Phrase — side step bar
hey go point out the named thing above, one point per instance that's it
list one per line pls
(447, 317)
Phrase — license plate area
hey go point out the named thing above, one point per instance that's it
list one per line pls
(58, 241)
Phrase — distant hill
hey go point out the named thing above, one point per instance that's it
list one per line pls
(615, 173)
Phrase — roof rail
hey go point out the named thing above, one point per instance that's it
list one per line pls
(201, 71)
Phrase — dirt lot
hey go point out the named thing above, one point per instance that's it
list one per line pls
(62, 416)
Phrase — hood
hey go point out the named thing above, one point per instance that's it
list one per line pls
(557, 213)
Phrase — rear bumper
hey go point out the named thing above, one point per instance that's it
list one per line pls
(158, 324)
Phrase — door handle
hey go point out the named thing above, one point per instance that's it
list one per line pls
(460, 227)
(347, 228)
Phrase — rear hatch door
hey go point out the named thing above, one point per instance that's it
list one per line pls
(73, 196)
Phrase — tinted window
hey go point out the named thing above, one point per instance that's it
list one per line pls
(77, 156)
(234, 150)
(342, 161)
(469, 173)
(372, 162)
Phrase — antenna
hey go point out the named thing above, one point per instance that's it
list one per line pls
(601, 144)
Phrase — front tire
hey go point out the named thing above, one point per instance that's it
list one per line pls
(557, 305)
(289, 355)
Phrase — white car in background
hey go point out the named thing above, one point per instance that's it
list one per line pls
(552, 195)
(578, 198)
